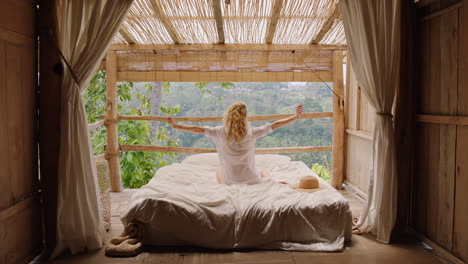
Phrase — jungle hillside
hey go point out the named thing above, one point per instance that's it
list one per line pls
(207, 99)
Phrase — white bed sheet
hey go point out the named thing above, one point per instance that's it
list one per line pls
(183, 205)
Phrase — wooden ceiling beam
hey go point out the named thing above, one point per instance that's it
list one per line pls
(127, 36)
(327, 26)
(165, 21)
(275, 14)
(225, 76)
(227, 47)
(137, 17)
(219, 20)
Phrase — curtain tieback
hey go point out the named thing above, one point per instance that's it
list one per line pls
(72, 73)
(384, 114)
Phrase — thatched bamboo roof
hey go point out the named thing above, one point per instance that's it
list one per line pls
(229, 40)
(233, 22)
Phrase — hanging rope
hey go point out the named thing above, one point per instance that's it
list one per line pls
(109, 154)
(313, 71)
(108, 121)
(384, 114)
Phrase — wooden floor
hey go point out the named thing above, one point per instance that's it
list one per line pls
(363, 249)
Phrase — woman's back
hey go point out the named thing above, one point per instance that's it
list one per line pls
(237, 159)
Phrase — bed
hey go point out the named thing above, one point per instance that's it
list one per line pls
(183, 205)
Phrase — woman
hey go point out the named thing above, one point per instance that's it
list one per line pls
(235, 143)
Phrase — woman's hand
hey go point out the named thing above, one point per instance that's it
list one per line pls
(170, 121)
(287, 120)
(299, 110)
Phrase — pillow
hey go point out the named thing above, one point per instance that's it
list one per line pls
(269, 161)
(208, 159)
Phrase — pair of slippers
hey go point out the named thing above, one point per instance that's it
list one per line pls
(356, 230)
(127, 244)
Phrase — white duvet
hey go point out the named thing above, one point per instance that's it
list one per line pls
(183, 205)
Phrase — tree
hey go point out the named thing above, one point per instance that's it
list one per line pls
(208, 99)
(155, 105)
(137, 168)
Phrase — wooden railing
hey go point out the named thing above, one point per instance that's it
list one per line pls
(209, 150)
(95, 125)
(113, 149)
(115, 181)
(219, 119)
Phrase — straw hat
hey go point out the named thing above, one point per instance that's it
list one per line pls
(308, 184)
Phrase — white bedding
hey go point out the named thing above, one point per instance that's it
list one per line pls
(183, 205)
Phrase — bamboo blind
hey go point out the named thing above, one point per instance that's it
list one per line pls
(226, 61)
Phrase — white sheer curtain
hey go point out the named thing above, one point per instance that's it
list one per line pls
(87, 28)
(372, 30)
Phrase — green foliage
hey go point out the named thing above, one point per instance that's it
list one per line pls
(322, 171)
(95, 105)
(137, 168)
(209, 99)
(170, 110)
(95, 97)
(226, 85)
(261, 99)
(166, 86)
(202, 87)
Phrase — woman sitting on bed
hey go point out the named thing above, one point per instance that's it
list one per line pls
(235, 143)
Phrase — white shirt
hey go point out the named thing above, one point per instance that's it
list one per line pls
(237, 160)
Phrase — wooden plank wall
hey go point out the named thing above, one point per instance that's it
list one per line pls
(20, 209)
(440, 178)
(359, 126)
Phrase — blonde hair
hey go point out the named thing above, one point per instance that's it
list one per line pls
(235, 122)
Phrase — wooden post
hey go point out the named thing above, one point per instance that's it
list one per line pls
(338, 121)
(112, 148)
(49, 119)
(404, 125)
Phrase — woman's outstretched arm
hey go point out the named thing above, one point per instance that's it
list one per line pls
(288, 120)
(188, 128)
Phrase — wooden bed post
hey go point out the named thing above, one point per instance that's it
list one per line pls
(112, 149)
(338, 121)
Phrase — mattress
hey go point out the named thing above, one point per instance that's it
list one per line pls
(184, 205)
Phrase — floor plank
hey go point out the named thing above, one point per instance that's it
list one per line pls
(276, 257)
(98, 257)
